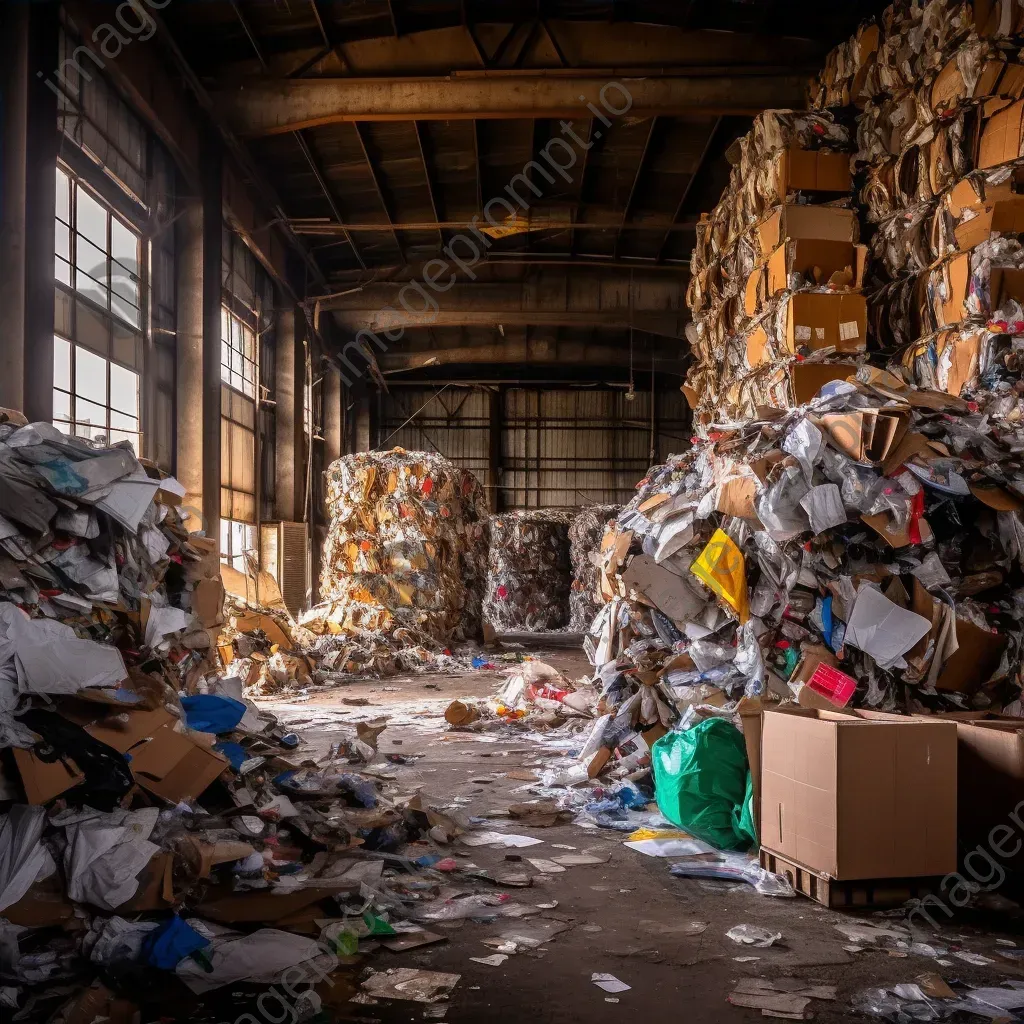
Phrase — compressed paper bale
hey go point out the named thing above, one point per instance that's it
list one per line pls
(406, 548)
(529, 574)
(585, 534)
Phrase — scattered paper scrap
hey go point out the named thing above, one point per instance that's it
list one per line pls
(609, 983)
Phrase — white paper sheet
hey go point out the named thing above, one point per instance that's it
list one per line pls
(882, 629)
(49, 657)
(102, 860)
(23, 857)
(503, 839)
(162, 622)
(260, 957)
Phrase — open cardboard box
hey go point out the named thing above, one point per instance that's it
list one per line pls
(804, 170)
(990, 776)
(866, 435)
(851, 798)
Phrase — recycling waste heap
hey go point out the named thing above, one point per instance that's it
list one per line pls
(405, 561)
(585, 533)
(162, 841)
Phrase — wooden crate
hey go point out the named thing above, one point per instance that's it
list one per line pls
(874, 892)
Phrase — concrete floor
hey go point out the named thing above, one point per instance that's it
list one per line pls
(629, 917)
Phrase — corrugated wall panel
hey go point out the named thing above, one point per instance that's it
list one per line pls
(558, 447)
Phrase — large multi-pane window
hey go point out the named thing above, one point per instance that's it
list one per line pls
(97, 347)
(237, 353)
(96, 253)
(93, 397)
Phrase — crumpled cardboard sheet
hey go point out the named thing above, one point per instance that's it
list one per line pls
(529, 574)
(406, 547)
(585, 533)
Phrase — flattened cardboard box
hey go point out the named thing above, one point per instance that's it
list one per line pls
(857, 799)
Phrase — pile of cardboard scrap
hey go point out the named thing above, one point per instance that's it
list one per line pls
(151, 818)
(529, 574)
(935, 90)
(864, 550)
(404, 562)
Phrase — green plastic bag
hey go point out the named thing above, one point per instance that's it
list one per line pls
(702, 783)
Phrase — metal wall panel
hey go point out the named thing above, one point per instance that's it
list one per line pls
(572, 447)
(450, 420)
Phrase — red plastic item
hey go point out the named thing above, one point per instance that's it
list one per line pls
(833, 685)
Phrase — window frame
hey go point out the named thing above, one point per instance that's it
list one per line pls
(113, 301)
(230, 556)
(247, 369)
(73, 397)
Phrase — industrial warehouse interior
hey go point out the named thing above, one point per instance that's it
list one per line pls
(511, 507)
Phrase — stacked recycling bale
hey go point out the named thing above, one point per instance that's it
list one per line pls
(529, 578)
(939, 144)
(777, 270)
(585, 533)
(404, 550)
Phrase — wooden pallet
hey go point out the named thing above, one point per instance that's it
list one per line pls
(874, 892)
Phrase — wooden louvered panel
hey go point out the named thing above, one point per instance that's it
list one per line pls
(292, 563)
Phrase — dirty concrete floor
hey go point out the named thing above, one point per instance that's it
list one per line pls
(629, 916)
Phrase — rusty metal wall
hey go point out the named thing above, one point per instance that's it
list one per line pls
(578, 446)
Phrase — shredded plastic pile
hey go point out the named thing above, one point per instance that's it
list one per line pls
(528, 578)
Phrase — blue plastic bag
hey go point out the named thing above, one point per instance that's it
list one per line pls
(208, 712)
(169, 944)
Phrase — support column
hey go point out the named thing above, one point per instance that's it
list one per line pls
(290, 369)
(29, 159)
(332, 416)
(190, 413)
(496, 400)
(212, 185)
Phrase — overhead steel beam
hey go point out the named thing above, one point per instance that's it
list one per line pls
(536, 222)
(385, 206)
(533, 351)
(651, 302)
(428, 177)
(328, 195)
(702, 159)
(250, 34)
(628, 209)
(268, 108)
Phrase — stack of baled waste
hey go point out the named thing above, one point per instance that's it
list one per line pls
(585, 533)
(935, 89)
(405, 555)
(529, 574)
(776, 274)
